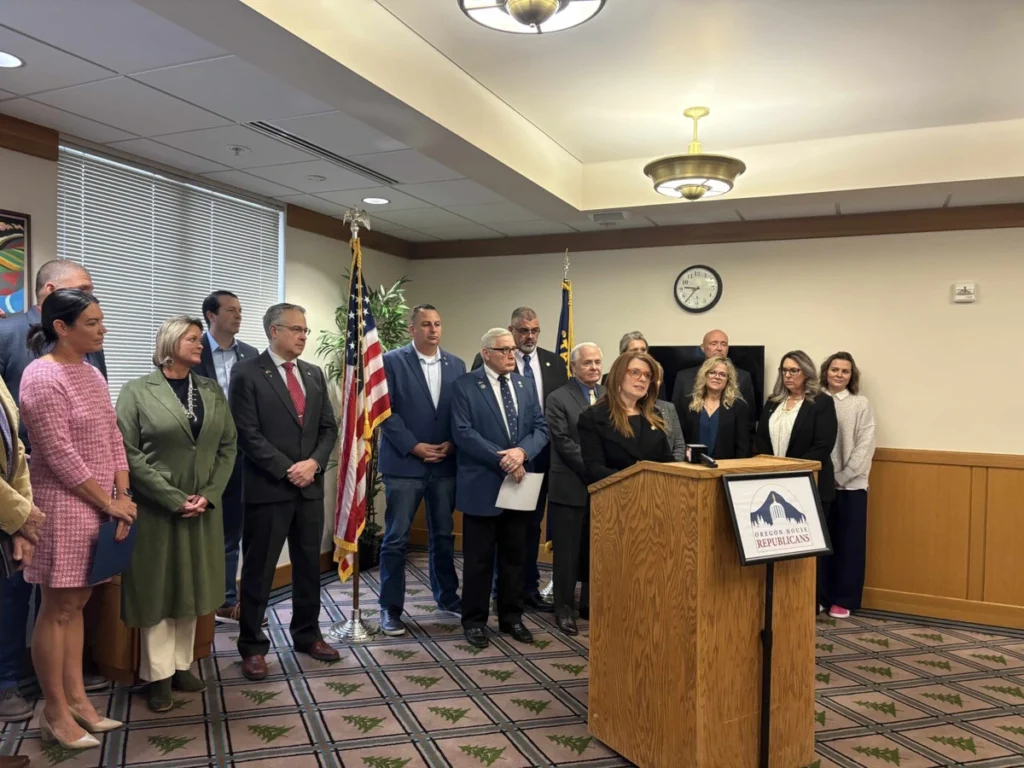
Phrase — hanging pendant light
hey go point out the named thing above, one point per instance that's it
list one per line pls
(694, 176)
(531, 17)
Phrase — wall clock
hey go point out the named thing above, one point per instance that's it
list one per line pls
(698, 288)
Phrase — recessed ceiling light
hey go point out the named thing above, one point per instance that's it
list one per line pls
(10, 61)
(316, 178)
(376, 200)
(238, 149)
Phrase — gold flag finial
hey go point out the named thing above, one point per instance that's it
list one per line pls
(565, 265)
(356, 218)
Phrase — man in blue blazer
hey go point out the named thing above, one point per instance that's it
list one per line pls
(221, 350)
(499, 430)
(417, 462)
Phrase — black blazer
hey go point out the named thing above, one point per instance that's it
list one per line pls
(682, 390)
(733, 441)
(208, 369)
(605, 451)
(813, 438)
(567, 478)
(269, 433)
(552, 376)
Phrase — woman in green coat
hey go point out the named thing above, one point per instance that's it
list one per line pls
(180, 441)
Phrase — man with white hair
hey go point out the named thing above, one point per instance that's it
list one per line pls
(568, 499)
(499, 430)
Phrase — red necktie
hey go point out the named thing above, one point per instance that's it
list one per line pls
(295, 390)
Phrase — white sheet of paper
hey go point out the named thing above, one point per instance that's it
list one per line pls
(520, 496)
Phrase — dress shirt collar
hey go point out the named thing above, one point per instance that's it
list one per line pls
(428, 360)
(278, 360)
(842, 395)
(214, 346)
(493, 377)
(586, 390)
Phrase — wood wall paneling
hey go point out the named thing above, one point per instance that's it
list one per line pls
(1004, 539)
(28, 138)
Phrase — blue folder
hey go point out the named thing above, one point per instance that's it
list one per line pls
(111, 557)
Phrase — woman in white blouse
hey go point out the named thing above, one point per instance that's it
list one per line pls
(851, 458)
(799, 421)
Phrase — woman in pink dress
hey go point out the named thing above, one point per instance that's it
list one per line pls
(80, 480)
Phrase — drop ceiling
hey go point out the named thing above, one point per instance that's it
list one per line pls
(175, 84)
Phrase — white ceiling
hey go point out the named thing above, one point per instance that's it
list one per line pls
(771, 71)
(114, 73)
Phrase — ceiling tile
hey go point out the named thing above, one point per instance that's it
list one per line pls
(46, 68)
(408, 166)
(167, 155)
(987, 192)
(249, 183)
(6, 95)
(413, 236)
(891, 199)
(340, 134)
(380, 225)
(633, 222)
(296, 175)
(399, 201)
(767, 208)
(118, 34)
(532, 228)
(131, 106)
(62, 121)
(672, 215)
(314, 204)
(467, 231)
(213, 144)
(235, 89)
(452, 193)
(425, 217)
(494, 213)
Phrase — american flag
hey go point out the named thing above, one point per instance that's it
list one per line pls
(364, 405)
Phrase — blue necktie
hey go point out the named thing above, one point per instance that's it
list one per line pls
(510, 409)
(527, 370)
(5, 430)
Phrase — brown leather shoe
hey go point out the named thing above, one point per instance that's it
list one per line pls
(17, 761)
(254, 667)
(320, 651)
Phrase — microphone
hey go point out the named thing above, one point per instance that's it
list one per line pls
(707, 461)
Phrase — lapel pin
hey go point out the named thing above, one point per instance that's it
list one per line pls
(520, 384)
(548, 364)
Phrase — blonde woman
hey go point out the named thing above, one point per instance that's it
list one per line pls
(180, 441)
(717, 416)
(625, 426)
(843, 582)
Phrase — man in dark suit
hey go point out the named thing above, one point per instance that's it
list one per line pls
(715, 344)
(417, 462)
(15, 594)
(568, 499)
(286, 430)
(221, 350)
(499, 430)
(547, 372)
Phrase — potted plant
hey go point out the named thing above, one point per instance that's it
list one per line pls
(390, 313)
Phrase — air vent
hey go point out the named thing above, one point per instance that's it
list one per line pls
(609, 218)
(307, 146)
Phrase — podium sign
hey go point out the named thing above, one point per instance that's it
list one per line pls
(776, 516)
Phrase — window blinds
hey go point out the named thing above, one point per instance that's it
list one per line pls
(156, 247)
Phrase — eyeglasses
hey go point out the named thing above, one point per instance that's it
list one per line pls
(295, 329)
(503, 350)
(636, 373)
(528, 331)
(717, 375)
(790, 371)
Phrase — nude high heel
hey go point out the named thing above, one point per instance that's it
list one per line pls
(47, 736)
(105, 724)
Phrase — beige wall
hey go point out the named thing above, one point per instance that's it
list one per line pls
(887, 300)
(30, 186)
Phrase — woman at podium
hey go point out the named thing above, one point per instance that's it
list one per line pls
(625, 426)
(717, 416)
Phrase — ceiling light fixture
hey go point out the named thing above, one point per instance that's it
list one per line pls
(238, 150)
(376, 200)
(531, 17)
(316, 178)
(694, 175)
(10, 61)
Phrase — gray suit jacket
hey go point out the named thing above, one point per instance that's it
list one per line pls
(673, 428)
(566, 479)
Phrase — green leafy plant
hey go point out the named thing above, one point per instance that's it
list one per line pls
(390, 313)
(577, 744)
(364, 723)
(966, 743)
(486, 755)
(537, 706)
(885, 707)
(882, 753)
(168, 744)
(374, 761)
(260, 697)
(451, 714)
(270, 733)
(948, 698)
(343, 689)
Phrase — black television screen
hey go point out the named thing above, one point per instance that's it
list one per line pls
(676, 359)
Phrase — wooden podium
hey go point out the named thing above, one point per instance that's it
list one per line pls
(675, 622)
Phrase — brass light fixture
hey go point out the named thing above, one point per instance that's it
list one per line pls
(694, 176)
(531, 17)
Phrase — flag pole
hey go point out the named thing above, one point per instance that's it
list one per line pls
(356, 629)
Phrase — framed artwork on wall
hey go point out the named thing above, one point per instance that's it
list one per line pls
(15, 255)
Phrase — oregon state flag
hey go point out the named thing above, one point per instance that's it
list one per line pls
(565, 342)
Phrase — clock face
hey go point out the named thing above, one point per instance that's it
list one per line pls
(698, 288)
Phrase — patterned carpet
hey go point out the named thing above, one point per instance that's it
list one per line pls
(892, 691)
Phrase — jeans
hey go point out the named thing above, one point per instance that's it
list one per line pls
(15, 600)
(402, 498)
(233, 514)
